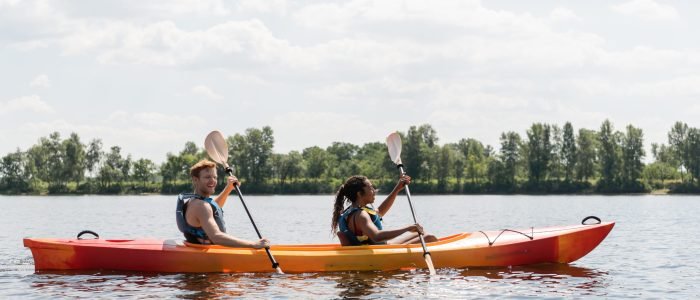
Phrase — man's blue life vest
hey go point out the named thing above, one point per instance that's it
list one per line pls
(362, 239)
(196, 234)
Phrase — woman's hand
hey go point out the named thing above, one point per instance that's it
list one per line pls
(416, 228)
(403, 181)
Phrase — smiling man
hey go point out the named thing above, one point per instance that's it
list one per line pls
(201, 218)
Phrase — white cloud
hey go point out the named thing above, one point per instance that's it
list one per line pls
(153, 120)
(647, 10)
(687, 86)
(9, 3)
(139, 139)
(187, 7)
(563, 14)
(41, 81)
(203, 90)
(324, 127)
(31, 103)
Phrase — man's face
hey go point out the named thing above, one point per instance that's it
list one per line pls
(206, 182)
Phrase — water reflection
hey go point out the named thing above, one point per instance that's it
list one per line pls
(534, 272)
(550, 279)
(358, 284)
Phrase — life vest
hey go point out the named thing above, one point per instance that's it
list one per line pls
(196, 234)
(362, 239)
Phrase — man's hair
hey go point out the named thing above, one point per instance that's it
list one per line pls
(201, 165)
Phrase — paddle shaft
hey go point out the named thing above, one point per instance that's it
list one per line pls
(408, 195)
(275, 265)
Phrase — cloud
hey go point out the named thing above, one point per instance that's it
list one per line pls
(647, 10)
(41, 81)
(685, 86)
(202, 90)
(324, 127)
(563, 14)
(31, 103)
(131, 132)
(153, 120)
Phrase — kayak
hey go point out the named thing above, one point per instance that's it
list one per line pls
(501, 248)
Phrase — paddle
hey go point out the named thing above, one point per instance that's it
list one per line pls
(217, 148)
(393, 143)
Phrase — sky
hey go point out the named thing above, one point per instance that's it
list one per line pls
(149, 76)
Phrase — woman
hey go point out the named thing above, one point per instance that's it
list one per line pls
(362, 225)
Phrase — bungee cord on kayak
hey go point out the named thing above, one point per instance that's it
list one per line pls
(531, 237)
(532, 234)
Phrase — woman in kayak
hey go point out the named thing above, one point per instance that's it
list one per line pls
(201, 218)
(359, 224)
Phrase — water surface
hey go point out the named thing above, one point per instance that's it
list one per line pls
(651, 252)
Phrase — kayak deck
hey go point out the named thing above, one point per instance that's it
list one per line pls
(563, 244)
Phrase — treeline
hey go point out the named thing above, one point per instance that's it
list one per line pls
(547, 159)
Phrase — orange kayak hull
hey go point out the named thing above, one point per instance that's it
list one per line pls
(563, 244)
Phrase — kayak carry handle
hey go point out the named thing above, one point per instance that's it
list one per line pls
(97, 236)
(583, 222)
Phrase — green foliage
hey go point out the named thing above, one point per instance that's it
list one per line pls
(608, 152)
(568, 152)
(539, 153)
(550, 160)
(632, 155)
(586, 156)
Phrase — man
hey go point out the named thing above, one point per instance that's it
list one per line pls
(201, 218)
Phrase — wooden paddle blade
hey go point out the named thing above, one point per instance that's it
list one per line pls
(429, 262)
(217, 148)
(393, 143)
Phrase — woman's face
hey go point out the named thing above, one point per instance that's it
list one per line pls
(367, 194)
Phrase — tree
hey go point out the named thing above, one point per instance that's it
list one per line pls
(677, 141)
(474, 154)
(632, 155)
(342, 159)
(52, 168)
(13, 172)
(539, 152)
(568, 152)
(237, 151)
(112, 170)
(288, 166)
(510, 155)
(316, 161)
(374, 162)
(586, 157)
(74, 159)
(252, 153)
(93, 155)
(556, 161)
(412, 152)
(143, 170)
(693, 153)
(445, 161)
(664, 154)
(420, 151)
(260, 143)
(171, 170)
(659, 171)
(608, 152)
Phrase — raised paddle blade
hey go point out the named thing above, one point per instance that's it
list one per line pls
(217, 148)
(393, 143)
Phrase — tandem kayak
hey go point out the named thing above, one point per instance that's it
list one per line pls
(501, 248)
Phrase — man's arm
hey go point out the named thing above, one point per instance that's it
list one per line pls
(231, 181)
(203, 212)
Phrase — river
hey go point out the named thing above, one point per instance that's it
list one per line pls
(651, 253)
